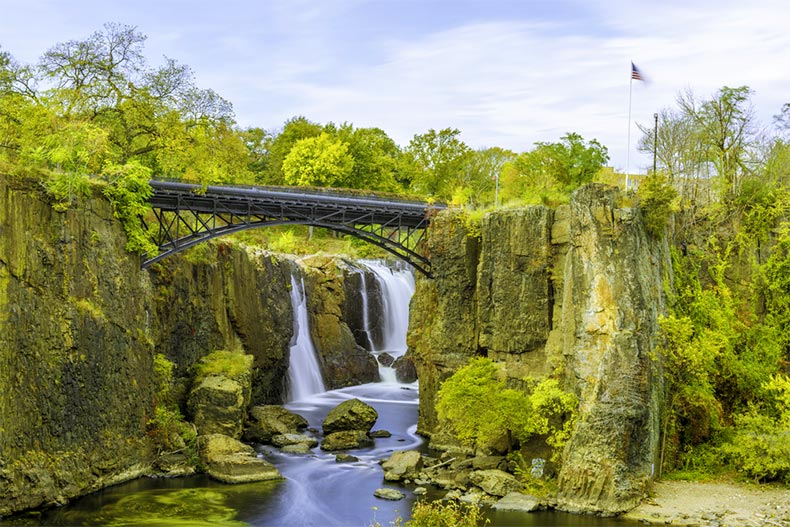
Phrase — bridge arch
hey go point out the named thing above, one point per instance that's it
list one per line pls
(189, 214)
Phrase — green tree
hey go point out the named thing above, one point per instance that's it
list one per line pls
(441, 158)
(149, 115)
(484, 167)
(481, 408)
(280, 144)
(551, 170)
(318, 161)
(375, 157)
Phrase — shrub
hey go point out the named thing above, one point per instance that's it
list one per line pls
(761, 446)
(480, 407)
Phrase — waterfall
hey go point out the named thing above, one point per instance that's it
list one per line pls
(365, 309)
(304, 375)
(397, 288)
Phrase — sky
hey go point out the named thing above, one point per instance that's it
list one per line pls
(506, 73)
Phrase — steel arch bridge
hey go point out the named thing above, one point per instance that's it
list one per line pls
(189, 214)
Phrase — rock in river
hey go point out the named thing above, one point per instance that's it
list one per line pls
(346, 440)
(231, 461)
(350, 415)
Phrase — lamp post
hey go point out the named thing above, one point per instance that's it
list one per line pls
(655, 141)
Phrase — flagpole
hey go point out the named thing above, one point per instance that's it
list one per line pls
(628, 151)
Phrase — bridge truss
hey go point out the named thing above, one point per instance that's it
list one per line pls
(188, 214)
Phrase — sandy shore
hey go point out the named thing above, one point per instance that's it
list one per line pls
(715, 505)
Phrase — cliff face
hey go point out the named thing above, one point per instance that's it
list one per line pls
(224, 297)
(574, 293)
(76, 379)
(80, 324)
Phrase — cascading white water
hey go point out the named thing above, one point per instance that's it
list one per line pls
(365, 309)
(397, 288)
(304, 375)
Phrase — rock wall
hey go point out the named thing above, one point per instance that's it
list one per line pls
(76, 379)
(574, 293)
(226, 297)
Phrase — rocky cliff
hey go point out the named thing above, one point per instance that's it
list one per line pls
(573, 293)
(80, 325)
(76, 379)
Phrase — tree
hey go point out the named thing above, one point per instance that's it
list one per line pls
(484, 167)
(375, 157)
(441, 158)
(726, 125)
(320, 161)
(551, 170)
(153, 116)
(294, 130)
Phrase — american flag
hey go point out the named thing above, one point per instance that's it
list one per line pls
(636, 74)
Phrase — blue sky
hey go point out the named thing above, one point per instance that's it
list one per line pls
(506, 73)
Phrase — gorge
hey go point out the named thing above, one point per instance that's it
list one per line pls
(573, 293)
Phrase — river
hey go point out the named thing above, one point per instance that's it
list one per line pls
(317, 490)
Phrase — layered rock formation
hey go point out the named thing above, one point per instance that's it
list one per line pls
(574, 293)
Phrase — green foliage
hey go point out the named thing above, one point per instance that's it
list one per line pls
(657, 200)
(541, 487)
(128, 190)
(66, 187)
(445, 514)
(168, 429)
(761, 446)
(285, 242)
(441, 158)
(481, 408)
(318, 161)
(425, 513)
(277, 147)
(548, 173)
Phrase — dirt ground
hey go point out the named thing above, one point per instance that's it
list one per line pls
(715, 505)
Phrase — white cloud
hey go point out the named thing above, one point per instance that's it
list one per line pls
(504, 73)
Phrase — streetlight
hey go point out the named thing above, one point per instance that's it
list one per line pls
(655, 141)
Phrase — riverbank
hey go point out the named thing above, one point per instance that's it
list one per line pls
(715, 504)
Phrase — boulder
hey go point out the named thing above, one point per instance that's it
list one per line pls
(380, 433)
(516, 501)
(231, 461)
(389, 494)
(495, 482)
(270, 420)
(221, 393)
(296, 448)
(175, 465)
(350, 415)
(404, 369)
(346, 440)
(216, 405)
(402, 465)
(282, 440)
(488, 462)
(385, 359)
(346, 458)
